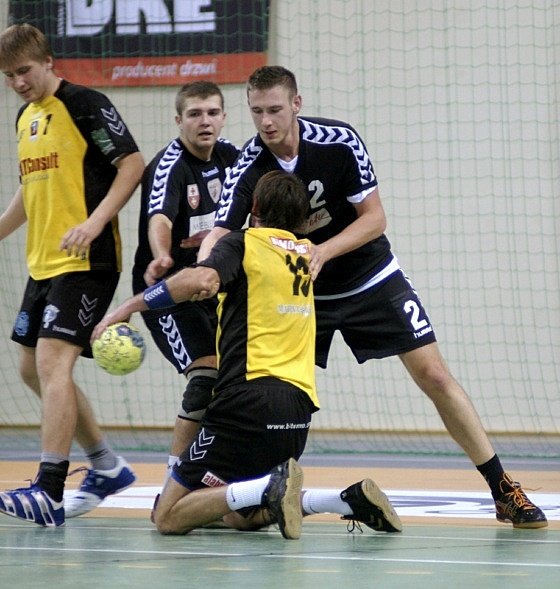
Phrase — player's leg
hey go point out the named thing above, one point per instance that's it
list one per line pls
(180, 510)
(55, 364)
(234, 444)
(42, 502)
(76, 302)
(363, 502)
(201, 377)
(185, 335)
(429, 371)
(88, 432)
(390, 320)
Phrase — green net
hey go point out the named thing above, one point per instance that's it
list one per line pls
(458, 104)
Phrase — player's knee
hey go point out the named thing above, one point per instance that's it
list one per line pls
(30, 378)
(169, 526)
(436, 380)
(198, 393)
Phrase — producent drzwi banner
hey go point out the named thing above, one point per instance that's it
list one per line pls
(150, 42)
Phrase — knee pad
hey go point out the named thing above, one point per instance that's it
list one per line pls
(198, 393)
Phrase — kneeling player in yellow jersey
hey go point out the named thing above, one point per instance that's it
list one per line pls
(242, 466)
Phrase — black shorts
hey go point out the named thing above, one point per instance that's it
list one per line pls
(246, 431)
(65, 307)
(184, 333)
(385, 320)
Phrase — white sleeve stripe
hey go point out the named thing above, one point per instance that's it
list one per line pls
(161, 176)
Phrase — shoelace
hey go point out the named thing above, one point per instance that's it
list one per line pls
(353, 525)
(517, 494)
(79, 469)
(90, 477)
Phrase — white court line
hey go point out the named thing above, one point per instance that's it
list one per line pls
(331, 558)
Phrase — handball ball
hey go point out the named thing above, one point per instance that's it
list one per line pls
(120, 349)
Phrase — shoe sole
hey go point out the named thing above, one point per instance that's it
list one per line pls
(525, 525)
(389, 521)
(43, 524)
(77, 512)
(41, 504)
(291, 502)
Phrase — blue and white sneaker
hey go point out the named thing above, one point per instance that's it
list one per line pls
(97, 485)
(32, 504)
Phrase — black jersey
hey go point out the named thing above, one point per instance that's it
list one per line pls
(266, 314)
(186, 190)
(334, 165)
(67, 144)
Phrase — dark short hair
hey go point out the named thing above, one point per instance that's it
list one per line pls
(280, 200)
(23, 41)
(199, 89)
(269, 76)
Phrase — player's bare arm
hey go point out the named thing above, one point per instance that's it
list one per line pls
(189, 284)
(160, 237)
(78, 239)
(369, 225)
(194, 240)
(14, 216)
(210, 241)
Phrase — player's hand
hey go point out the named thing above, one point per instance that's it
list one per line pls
(157, 268)
(317, 260)
(101, 327)
(194, 240)
(109, 319)
(206, 293)
(76, 241)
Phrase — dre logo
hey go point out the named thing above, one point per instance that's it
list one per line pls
(89, 17)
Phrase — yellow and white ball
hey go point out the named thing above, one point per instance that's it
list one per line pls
(120, 349)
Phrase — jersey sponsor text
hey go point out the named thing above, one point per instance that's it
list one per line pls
(290, 245)
(37, 164)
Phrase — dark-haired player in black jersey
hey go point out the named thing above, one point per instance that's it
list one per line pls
(180, 192)
(360, 289)
(78, 166)
(242, 465)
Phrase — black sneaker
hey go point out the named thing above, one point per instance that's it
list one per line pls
(282, 497)
(371, 507)
(514, 506)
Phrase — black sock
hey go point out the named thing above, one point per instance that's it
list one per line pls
(493, 472)
(52, 477)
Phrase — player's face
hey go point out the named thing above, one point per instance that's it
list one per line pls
(200, 124)
(274, 114)
(31, 80)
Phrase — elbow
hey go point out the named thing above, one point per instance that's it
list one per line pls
(382, 225)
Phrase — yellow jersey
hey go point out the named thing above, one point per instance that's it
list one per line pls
(67, 144)
(266, 314)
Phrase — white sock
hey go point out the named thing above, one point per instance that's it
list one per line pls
(246, 493)
(324, 501)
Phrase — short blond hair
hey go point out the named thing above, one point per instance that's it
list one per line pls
(23, 41)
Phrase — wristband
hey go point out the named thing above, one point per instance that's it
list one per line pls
(158, 296)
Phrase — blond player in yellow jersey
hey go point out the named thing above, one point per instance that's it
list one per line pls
(242, 466)
(78, 166)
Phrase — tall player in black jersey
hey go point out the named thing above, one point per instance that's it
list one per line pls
(360, 289)
(78, 166)
(242, 465)
(180, 192)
